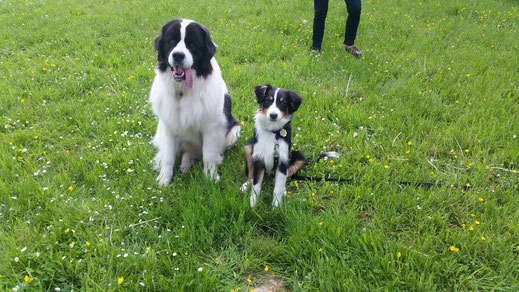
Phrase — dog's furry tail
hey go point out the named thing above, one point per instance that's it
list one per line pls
(232, 135)
(324, 155)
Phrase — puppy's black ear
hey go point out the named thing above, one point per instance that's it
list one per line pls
(294, 101)
(211, 47)
(261, 92)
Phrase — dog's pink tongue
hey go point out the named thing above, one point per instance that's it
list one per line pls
(189, 78)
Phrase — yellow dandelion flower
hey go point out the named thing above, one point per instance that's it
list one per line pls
(463, 226)
(468, 75)
(266, 268)
(249, 280)
(22, 100)
(471, 228)
(386, 166)
(370, 117)
(67, 230)
(101, 240)
(70, 188)
(472, 215)
(398, 255)
(28, 279)
(321, 223)
(483, 238)
(409, 143)
(148, 249)
(242, 123)
(480, 199)
(120, 280)
(408, 151)
(476, 222)
(88, 243)
(454, 249)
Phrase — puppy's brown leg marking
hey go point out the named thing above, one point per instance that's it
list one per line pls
(248, 159)
(295, 167)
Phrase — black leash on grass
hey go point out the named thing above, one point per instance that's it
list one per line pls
(402, 183)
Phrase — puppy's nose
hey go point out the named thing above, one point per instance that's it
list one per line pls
(273, 116)
(178, 56)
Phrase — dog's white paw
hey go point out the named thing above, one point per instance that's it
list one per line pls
(245, 186)
(253, 199)
(276, 203)
(213, 177)
(164, 179)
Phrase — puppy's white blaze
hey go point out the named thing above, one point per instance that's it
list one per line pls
(273, 108)
(181, 46)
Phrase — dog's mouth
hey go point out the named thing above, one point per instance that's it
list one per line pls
(183, 74)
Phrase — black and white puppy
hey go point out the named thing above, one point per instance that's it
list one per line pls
(270, 149)
(191, 101)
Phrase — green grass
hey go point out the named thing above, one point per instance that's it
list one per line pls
(79, 206)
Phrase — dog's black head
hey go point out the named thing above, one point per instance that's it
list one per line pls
(184, 45)
(276, 105)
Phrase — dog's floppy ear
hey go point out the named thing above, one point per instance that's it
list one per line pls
(158, 47)
(294, 101)
(211, 46)
(261, 92)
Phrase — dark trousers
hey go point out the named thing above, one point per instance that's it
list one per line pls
(352, 22)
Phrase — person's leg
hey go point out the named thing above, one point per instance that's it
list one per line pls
(352, 22)
(320, 11)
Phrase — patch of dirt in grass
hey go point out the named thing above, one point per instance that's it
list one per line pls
(268, 283)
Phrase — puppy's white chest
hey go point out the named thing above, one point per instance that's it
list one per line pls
(266, 149)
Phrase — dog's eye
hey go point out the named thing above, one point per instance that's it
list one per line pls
(281, 99)
(271, 98)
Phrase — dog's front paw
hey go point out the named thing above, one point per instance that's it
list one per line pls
(245, 186)
(253, 199)
(214, 177)
(278, 198)
(164, 178)
(276, 202)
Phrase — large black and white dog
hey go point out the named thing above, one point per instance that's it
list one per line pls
(191, 101)
(269, 150)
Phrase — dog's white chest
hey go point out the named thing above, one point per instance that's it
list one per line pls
(266, 148)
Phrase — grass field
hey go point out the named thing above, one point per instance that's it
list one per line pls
(435, 98)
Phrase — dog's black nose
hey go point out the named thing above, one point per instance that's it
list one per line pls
(178, 56)
(273, 116)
